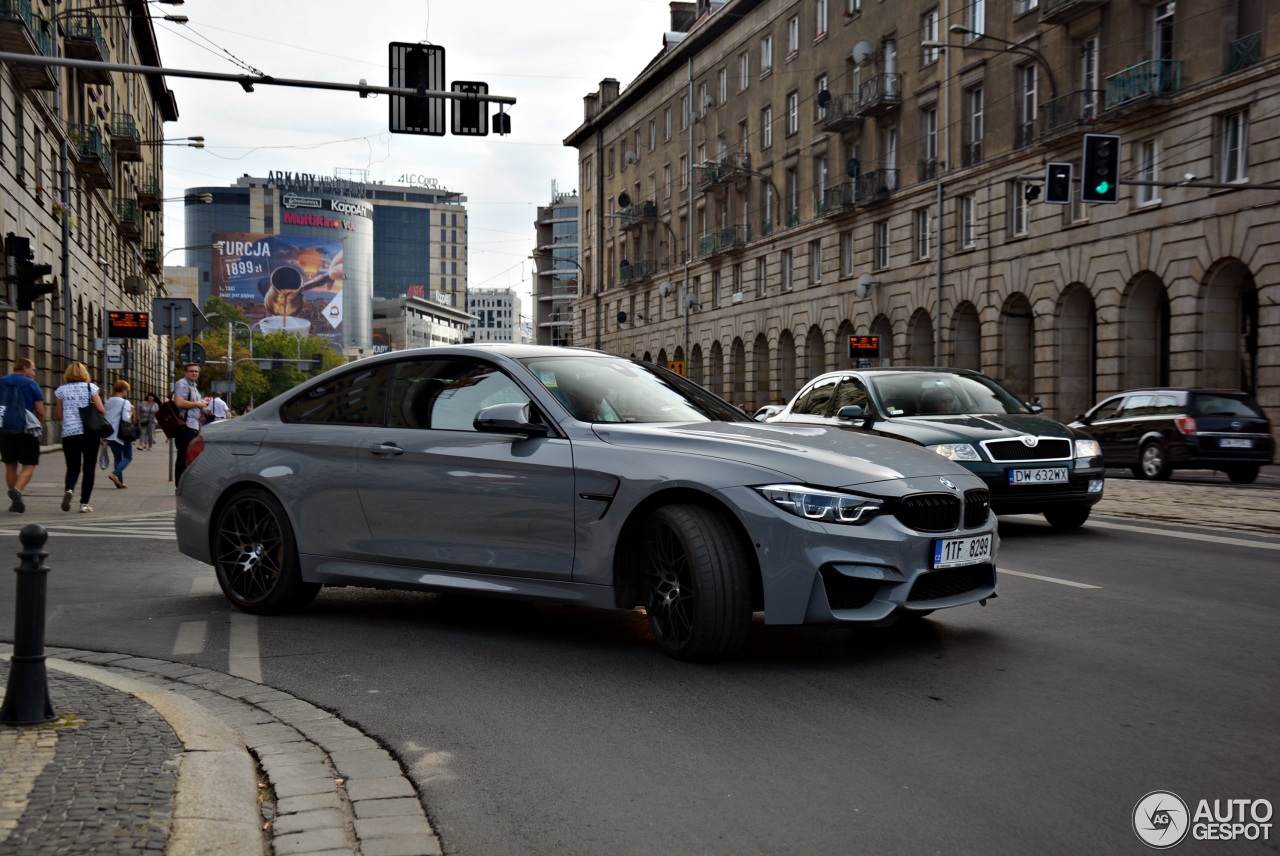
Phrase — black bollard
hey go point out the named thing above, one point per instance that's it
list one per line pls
(26, 697)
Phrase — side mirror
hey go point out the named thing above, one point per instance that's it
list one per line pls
(851, 412)
(1034, 408)
(1084, 419)
(512, 418)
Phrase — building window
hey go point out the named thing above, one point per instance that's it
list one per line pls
(715, 288)
(737, 278)
(666, 124)
(972, 126)
(975, 18)
(820, 180)
(1090, 95)
(760, 276)
(929, 33)
(666, 179)
(766, 55)
(793, 113)
(820, 19)
(1233, 142)
(1017, 208)
(820, 108)
(881, 232)
(921, 223)
(793, 37)
(966, 214)
(1025, 6)
(788, 261)
(704, 99)
(1076, 211)
(929, 121)
(723, 84)
(846, 253)
(1162, 32)
(684, 112)
(1025, 133)
(815, 262)
(1148, 164)
(766, 127)
(744, 71)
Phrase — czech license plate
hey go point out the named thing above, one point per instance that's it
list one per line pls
(1235, 443)
(954, 552)
(1048, 475)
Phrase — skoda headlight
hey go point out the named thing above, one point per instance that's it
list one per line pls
(828, 506)
(1088, 449)
(956, 451)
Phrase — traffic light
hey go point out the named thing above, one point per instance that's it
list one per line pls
(317, 362)
(24, 276)
(1057, 183)
(1100, 181)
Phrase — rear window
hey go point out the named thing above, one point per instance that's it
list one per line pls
(1223, 404)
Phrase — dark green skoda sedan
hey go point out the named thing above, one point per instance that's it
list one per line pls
(1030, 463)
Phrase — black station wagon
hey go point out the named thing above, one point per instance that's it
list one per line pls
(1156, 431)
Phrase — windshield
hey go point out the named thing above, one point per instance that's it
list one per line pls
(941, 394)
(612, 389)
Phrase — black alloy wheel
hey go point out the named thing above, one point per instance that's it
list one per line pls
(1243, 473)
(256, 558)
(1071, 517)
(697, 582)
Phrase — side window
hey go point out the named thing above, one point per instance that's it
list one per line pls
(814, 400)
(1107, 409)
(1137, 405)
(851, 393)
(445, 394)
(355, 398)
(1166, 405)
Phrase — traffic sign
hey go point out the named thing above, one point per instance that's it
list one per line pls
(192, 352)
(420, 67)
(677, 366)
(115, 355)
(172, 316)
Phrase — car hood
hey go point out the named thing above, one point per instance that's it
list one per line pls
(810, 454)
(972, 428)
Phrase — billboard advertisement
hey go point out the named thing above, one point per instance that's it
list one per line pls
(292, 283)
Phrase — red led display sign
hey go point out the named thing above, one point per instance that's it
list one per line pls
(864, 348)
(128, 325)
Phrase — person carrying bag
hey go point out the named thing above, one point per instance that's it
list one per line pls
(78, 396)
(188, 400)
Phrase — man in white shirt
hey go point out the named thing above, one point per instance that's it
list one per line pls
(218, 409)
(187, 398)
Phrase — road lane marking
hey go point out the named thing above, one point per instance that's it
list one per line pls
(1191, 536)
(190, 637)
(203, 584)
(242, 655)
(1046, 579)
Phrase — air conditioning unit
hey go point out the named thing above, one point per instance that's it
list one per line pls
(737, 297)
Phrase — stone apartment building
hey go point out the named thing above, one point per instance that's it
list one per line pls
(788, 173)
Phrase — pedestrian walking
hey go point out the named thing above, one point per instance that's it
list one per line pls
(147, 422)
(120, 414)
(187, 398)
(218, 409)
(20, 449)
(78, 449)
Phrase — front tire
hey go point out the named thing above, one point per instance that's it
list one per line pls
(697, 582)
(1153, 462)
(256, 556)
(1072, 517)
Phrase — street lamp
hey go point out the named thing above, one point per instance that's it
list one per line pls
(196, 142)
(1025, 50)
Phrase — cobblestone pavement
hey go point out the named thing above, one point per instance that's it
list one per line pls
(150, 756)
(1199, 501)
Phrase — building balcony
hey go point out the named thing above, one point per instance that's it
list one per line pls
(793, 217)
(1069, 112)
(1024, 134)
(971, 153)
(1062, 11)
(734, 237)
(1244, 52)
(636, 271)
(125, 141)
(83, 39)
(1147, 83)
(727, 169)
(842, 113)
(929, 169)
(634, 216)
(879, 95)
(709, 244)
(874, 186)
(93, 159)
(152, 259)
(148, 193)
(23, 32)
(129, 218)
(837, 199)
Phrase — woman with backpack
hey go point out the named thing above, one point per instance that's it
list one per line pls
(120, 415)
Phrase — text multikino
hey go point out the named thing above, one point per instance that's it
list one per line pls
(1228, 820)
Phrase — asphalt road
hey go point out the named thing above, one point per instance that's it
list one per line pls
(1131, 661)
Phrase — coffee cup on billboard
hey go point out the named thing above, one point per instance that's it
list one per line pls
(286, 278)
(284, 296)
(286, 323)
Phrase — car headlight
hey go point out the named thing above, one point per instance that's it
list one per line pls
(1088, 449)
(956, 451)
(827, 506)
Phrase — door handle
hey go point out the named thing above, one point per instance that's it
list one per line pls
(384, 450)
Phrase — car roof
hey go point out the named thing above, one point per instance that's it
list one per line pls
(887, 370)
(1190, 389)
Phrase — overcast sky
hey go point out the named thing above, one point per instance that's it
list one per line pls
(547, 54)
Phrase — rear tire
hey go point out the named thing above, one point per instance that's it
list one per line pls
(1153, 461)
(697, 582)
(1243, 473)
(1072, 517)
(256, 556)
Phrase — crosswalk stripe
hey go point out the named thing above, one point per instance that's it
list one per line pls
(156, 526)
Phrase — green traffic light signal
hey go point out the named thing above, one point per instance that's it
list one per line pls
(1103, 188)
